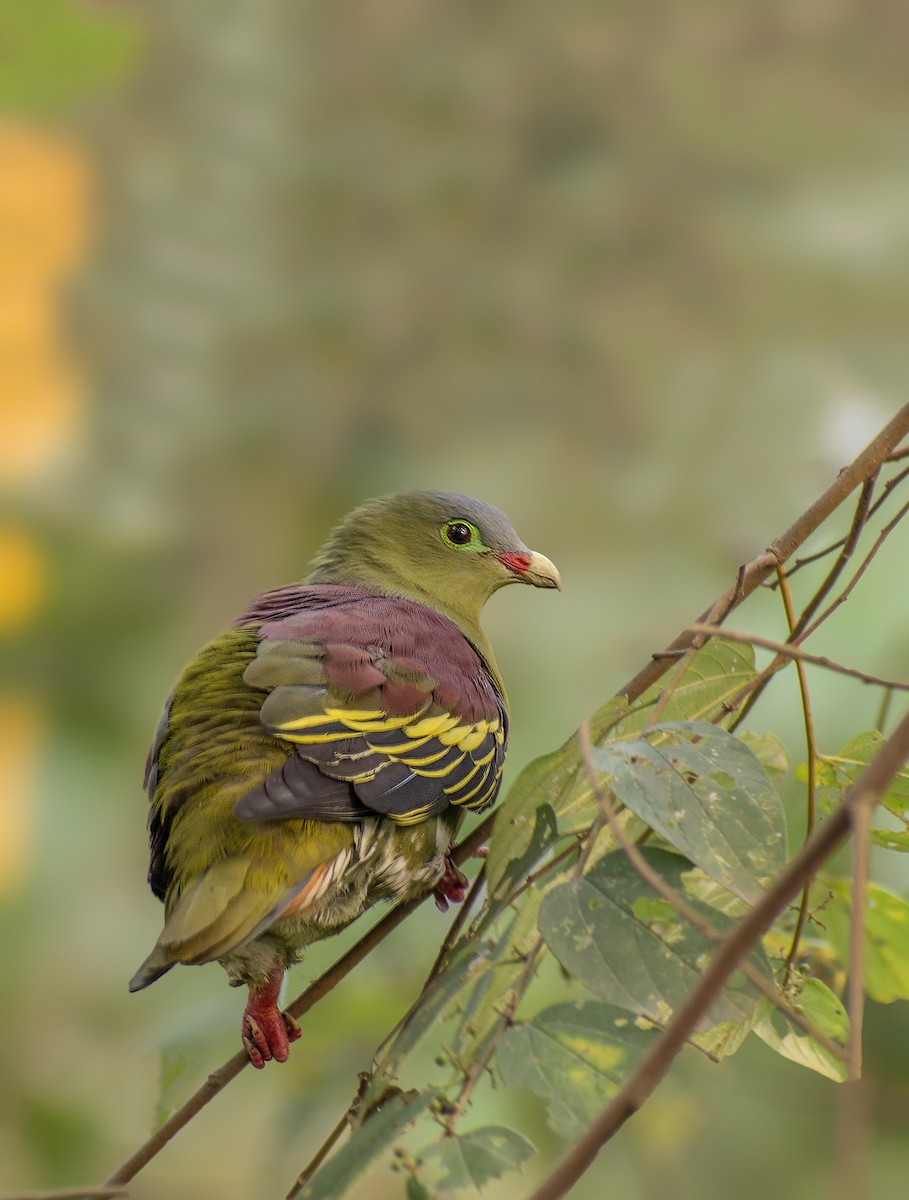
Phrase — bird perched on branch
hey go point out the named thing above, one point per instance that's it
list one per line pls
(319, 755)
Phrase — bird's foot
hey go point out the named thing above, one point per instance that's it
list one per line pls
(451, 887)
(267, 1032)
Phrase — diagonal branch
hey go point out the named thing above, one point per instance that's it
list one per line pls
(753, 574)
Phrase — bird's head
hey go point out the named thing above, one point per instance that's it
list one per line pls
(445, 550)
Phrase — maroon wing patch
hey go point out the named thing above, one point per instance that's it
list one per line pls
(379, 693)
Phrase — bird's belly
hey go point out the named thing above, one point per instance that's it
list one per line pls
(388, 862)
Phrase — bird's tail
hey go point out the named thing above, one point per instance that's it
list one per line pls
(219, 912)
(157, 964)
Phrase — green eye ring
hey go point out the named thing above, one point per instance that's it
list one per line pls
(461, 535)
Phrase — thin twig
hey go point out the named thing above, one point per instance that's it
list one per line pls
(89, 1193)
(886, 490)
(685, 910)
(506, 1017)
(863, 567)
(438, 966)
(457, 925)
(884, 711)
(811, 789)
(855, 981)
(753, 690)
(319, 1157)
(859, 518)
(753, 574)
(546, 869)
(865, 793)
(790, 650)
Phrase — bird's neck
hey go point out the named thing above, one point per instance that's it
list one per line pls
(464, 614)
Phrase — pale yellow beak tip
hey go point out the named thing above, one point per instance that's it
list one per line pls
(542, 573)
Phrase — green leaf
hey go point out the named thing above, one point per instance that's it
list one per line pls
(825, 1011)
(849, 763)
(886, 938)
(172, 1065)
(699, 885)
(631, 954)
(472, 1159)
(705, 793)
(552, 797)
(377, 1134)
(768, 750)
(574, 1055)
(415, 1189)
(891, 839)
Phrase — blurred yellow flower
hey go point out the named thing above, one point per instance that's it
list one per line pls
(43, 232)
(23, 572)
(21, 725)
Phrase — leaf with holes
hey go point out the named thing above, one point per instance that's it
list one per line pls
(632, 949)
(576, 1056)
(838, 771)
(473, 1159)
(705, 793)
(552, 798)
(825, 1011)
(886, 938)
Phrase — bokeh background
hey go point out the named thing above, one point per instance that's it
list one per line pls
(636, 273)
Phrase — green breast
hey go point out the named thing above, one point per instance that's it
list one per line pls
(213, 751)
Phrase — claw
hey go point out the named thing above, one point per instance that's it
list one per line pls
(267, 1032)
(452, 886)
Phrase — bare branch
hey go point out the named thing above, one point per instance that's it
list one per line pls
(855, 983)
(863, 567)
(318, 1158)
(89, 1193)
(753, 574)
(811, 789)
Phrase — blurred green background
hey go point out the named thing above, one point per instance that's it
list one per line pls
(636, 273)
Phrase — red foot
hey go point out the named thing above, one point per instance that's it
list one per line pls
(267, 1032)
(452, 886)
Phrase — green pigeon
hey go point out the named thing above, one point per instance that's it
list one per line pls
(319, 755)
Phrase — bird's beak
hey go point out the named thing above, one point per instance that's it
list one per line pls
(532, 568)
(542, 572)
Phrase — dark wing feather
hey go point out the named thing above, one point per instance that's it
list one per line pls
(158, 822)
(389, 708)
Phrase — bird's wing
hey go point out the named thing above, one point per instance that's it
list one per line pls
(385, 695)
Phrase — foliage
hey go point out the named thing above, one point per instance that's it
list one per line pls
(646, 860)
(634, 928)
